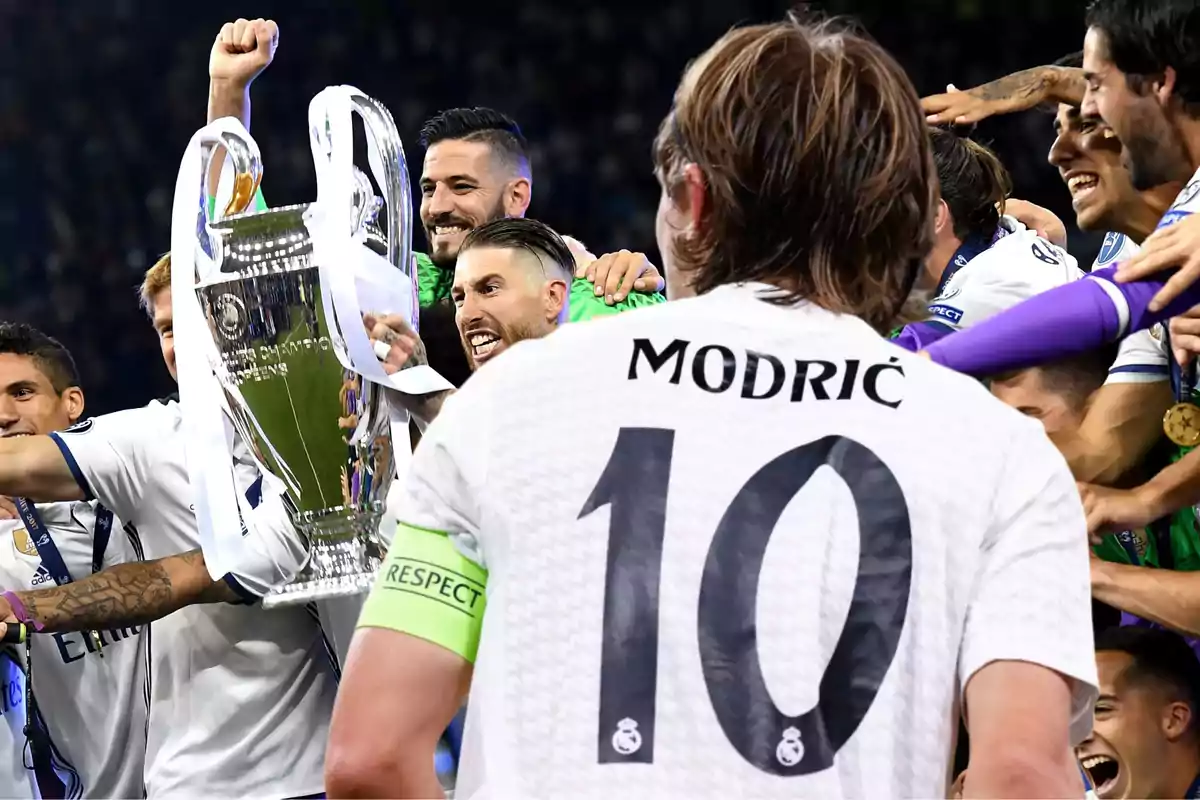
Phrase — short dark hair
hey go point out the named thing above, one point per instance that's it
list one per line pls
(1072, 60)
(974, 182)
(499, 131)
(1078, 377)
(1159, 656)
(51, 357)
(1144, 38)
(826, 191)
(527, 234)
(1074, 379)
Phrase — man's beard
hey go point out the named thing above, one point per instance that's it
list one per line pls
(1154, 156)
(446, 260)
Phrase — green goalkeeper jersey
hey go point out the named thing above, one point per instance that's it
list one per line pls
(1170, 543)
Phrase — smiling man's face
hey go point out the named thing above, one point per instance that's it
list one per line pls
(1131, 734)
(29, 404)
(1088, 157)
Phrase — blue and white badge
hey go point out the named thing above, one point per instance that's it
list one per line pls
(1114, 243)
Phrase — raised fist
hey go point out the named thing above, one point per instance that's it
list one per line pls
(243, 49)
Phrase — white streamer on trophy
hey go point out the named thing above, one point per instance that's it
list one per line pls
(207, 428)
(353, 277)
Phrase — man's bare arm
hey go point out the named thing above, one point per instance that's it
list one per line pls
(1170, 598)
(397, 696)
(243, 49)
(1122, 424)
(127, 594)
(1016, 92)
(34, 467)
(1018, 718)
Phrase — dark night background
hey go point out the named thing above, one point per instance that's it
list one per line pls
(99, 97)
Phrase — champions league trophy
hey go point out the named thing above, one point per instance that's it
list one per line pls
(280, 331)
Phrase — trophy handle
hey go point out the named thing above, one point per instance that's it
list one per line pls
(247, 169)
(331, 136)
(386, 155)
(366, 204)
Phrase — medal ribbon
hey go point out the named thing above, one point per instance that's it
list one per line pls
(40, 749)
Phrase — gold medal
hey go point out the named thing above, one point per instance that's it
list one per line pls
(1181, 423)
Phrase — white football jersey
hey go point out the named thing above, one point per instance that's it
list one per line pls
(1142, 357)
(1019, 265)
(15, 780)
(93, 704)
(240, 697)
(745, 575)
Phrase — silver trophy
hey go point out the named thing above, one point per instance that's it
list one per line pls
(319, 427)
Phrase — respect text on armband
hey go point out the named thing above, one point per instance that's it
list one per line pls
(436, 583)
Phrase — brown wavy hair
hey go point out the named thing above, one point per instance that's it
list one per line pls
(973, 181)
(816, 164)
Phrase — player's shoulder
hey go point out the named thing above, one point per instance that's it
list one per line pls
(144, 420)
(1186, 202)
(967, 416)
(1022, 253)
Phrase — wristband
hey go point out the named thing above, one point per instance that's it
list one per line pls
(18, 610)
(15, 633)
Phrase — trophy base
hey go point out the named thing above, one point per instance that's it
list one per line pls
(343, 557)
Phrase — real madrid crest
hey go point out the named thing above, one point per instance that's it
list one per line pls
(22, 542)
(230, 315)
(1181, 423)
(1156, 331)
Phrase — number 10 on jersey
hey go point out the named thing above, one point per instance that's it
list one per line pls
(634, 485)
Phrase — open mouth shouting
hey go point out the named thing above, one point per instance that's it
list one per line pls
(483, 344)
(1104, 772)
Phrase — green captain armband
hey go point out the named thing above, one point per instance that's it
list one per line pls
(427, 588)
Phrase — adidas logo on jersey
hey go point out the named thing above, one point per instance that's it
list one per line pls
(40, 577)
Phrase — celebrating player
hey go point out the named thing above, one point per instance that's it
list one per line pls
(87, 729)
(981, 262)
(649, 577)
(476, 171)
(1146, 741)
(1142, 80)
(511, 283)
(255, 688)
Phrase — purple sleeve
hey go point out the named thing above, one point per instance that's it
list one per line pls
(920, 335)
(1062, 322)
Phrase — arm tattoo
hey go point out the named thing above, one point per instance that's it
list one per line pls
(430, 405)
(418, 356)
(125, 595)
(1024, 84)
(1060, 84)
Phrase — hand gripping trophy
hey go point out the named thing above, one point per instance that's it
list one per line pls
(269, 337)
